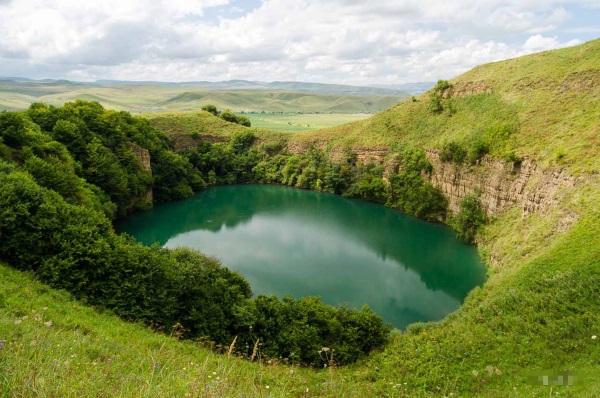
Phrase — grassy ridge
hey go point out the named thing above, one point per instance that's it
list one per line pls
(545, 103)
(188, 127)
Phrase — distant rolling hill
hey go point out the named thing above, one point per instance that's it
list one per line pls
(238, 95)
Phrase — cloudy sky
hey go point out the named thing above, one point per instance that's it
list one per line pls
(330, 41)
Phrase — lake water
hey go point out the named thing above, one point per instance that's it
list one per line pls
(287, 241)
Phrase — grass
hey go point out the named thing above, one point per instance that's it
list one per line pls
(187, 128)
(547, 102)
(295, 122)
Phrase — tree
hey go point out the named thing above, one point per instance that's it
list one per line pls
(229, 116)
(471, 217)
(211, 109)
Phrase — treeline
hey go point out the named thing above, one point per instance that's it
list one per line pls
(405, 188)
(227, 115)
(66, 172)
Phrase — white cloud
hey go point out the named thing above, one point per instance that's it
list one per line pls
(541, 43)
(346, 41)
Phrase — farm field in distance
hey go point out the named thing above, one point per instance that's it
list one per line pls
(294, 122)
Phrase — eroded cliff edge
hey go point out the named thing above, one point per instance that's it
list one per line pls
(503, 184)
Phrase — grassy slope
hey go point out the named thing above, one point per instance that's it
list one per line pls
(536, 313)
(294, 122)
(552, 98)
(181, 126)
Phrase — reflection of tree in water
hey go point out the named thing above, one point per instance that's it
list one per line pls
(429, 249)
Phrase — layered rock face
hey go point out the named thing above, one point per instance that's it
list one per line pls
(144, 157)
(503, 185)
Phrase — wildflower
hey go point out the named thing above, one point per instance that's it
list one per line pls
(214, 373)
(45, 308)
(594, 337)
(267, 387)
(475, 373)
(48, 324)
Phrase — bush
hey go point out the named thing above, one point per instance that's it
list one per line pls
(210, 109)
(478, 151)
(471, 217)
(453, 152)
(307, 332)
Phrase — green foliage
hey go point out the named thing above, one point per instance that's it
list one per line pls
(73, 248)
(441, 86)
(52, 222)
(411, 193)
(305, 331)
(436, 103)
(228, 115)
(453, 152)
(210, 109)
(470, 218)
(231, 117)
(478, 150)
(175, 177)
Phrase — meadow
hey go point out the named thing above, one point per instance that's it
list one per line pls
(294, 122)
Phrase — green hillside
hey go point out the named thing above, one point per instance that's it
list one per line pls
(537, 314)
(544, 106)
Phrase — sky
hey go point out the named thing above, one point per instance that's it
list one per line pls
(327, 41)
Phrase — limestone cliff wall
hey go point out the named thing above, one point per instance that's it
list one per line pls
(144, 157)
(503, 185)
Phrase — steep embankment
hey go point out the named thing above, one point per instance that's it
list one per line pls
(536, 116)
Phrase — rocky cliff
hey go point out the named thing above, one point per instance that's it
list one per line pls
(503, 185)
(144, 157)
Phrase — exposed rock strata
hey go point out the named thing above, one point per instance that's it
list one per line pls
(143, 156)
(462, 89)
(503, 185)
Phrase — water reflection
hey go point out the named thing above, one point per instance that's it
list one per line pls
(288, 241)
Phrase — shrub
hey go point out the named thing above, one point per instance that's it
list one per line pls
(210, 109)
(453, 152)
(479, 150)
(471, 217)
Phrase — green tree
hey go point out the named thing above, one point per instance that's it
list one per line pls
(470, 218)
(211, 109)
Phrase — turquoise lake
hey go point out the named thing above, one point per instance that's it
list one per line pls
(287, 241)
